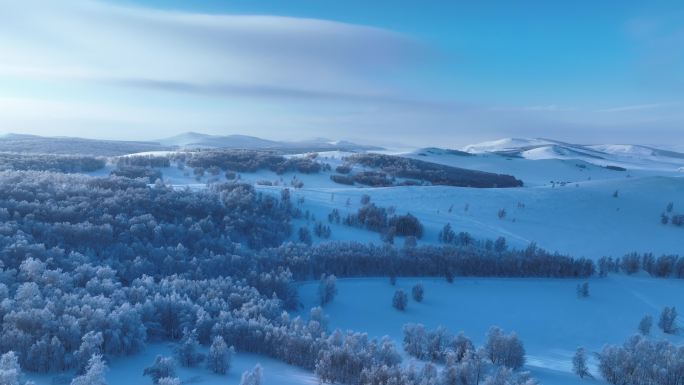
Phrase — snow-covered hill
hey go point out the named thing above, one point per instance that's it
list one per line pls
(505, 144)
(198, 140)
(33, 144)
(582, 221)
(565, 205)
(627, 156)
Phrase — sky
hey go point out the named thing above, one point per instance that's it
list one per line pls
(438, 73)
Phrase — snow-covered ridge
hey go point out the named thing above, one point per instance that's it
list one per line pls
(33, 144)
(629, 156)
(624, 149)
(505, 144)
(194, 139)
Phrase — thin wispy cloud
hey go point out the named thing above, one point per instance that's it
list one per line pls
(90, 40)
(535, 108)
(637, 107)
(275, 92)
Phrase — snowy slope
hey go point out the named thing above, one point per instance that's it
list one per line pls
(532, 172)
(546, 313)
(579, 216)
(583, 221)
(505, 144)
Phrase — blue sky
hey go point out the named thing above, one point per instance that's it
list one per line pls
(413, 72)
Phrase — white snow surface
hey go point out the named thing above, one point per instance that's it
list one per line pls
(628, 156)
(505, 144)
(582, 221)
(546, 313)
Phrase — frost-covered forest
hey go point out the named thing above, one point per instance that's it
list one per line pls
(99, 266)
(104, 257)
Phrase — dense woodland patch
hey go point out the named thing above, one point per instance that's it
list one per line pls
(250, 161)
(433, 173)
(61, 163)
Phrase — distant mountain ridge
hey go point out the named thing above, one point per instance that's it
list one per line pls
(34, 144)
(199, 140)
(62, 145)
(195, 139)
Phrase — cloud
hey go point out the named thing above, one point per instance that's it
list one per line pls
(534, 108)
(637, 107)
(96, 41)
(275, 92)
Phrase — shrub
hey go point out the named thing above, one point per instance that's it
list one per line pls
(399, 300)
(436, 174)
(417, 292)
(342, 179)
(406, 225)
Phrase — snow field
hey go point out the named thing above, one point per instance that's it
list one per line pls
(546, 313)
